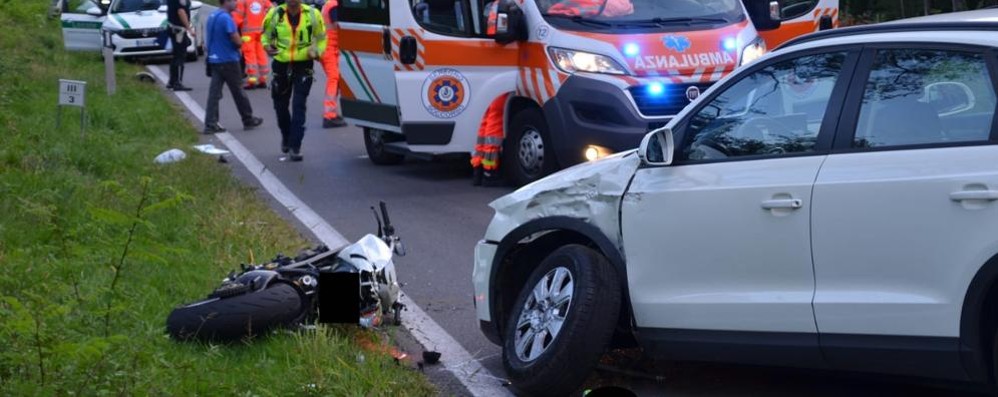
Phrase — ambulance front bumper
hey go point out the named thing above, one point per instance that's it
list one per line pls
(588, 112)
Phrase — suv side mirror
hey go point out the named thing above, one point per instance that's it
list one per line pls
(765, 14)
(511, 24)
(657, 147)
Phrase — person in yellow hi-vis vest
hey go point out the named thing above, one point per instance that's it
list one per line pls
(295, 35)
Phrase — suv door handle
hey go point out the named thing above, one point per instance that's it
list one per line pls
(964, 195)
(790, 203)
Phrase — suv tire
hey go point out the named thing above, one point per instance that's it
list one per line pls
(568, 349)
(374, 143)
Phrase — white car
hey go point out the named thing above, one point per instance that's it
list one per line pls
(138, 28)
(834, 206)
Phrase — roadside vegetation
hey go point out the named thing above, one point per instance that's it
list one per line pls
(98, 244)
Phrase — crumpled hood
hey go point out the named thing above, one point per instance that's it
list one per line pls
(589, 191)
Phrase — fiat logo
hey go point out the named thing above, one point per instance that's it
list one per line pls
(692, 93)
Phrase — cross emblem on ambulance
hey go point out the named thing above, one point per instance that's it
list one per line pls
(677, 43)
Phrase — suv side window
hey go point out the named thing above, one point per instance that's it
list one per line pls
(448, 17)
(776, 110)
(920, 97)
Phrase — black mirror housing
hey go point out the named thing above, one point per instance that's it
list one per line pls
(825, 22)
(511, 24)
(765, 14)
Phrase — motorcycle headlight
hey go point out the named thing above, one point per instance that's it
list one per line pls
(753, 51)
(570, 61)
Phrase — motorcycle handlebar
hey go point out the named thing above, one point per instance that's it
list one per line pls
(389, 229)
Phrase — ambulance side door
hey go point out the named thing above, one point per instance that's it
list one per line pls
(81, 27)
(368, 96)
(448, 71)
(801, 17)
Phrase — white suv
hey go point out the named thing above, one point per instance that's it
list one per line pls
(831, 206)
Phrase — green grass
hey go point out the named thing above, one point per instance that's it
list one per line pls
(81, 316)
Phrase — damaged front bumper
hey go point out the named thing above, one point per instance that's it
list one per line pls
(485, 252)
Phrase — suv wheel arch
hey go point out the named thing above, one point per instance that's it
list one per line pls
(536, 239)
(979, 322)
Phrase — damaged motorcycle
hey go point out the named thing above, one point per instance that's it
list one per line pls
(316, 285)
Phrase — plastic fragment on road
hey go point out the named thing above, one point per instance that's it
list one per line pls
(210, 149)
(431, 357)
(170, 156)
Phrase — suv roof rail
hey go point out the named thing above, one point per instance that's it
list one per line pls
(893, 27)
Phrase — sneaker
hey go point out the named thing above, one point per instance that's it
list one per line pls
(295, 156)
(213, 129)
(180, 87)
(334, 122)
(252, 123)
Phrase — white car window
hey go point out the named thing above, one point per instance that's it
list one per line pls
(776, 110)
(919, 97)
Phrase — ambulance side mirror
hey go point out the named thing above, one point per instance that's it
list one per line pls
(765, 14)
(511, 24)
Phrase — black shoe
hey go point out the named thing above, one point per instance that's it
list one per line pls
(295, 156)
(476, 178)
(334, 123)
(492, 179)
(180, 87)
(252, 123)
(213, 129)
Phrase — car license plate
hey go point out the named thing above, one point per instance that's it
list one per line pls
(146, 43)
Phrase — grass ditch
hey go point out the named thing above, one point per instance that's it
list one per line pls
(98, 244)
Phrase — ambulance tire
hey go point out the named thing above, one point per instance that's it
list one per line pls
(374, 142)
(527, 152)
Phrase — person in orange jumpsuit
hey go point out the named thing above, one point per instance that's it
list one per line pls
(488, 148)
(249, 16)
(331, 65)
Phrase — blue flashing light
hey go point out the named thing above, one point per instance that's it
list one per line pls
(730, 44)
(631, 49)
(656, 89)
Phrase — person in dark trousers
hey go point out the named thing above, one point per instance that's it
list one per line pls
(178, 15)
(223, 43)
(295, 35)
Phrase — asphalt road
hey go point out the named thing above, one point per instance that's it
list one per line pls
(441, 216)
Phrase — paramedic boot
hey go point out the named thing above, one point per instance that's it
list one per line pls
(476, 178)
(336, 122)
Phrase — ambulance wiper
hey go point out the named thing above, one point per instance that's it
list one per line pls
(659, 21)
(581, 20)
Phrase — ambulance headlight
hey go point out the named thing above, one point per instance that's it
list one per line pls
(570, 61)
(753, 51)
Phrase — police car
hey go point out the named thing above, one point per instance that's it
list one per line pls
(138, 28)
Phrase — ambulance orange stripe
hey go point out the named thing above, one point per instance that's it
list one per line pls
(537, 87)
(547, 83)
(360, 41)
(470, 53)
(523, 83)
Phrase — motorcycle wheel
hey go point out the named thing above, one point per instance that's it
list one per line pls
(237, 317)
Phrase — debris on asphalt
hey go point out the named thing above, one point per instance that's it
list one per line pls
(222, 159)
(431, 357)
(170, 156)
(145, 77)
(609, 391)
(210, 149)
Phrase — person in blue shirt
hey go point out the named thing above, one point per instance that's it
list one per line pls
(223, 42)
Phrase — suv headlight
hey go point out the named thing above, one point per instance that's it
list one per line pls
(570, 61)
(753, 51)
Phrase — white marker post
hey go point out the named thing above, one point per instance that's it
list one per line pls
(72, 93)
(108, 50)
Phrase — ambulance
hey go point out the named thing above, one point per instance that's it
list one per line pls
(587, 77)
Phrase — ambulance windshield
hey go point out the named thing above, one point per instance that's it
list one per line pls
(639, 14)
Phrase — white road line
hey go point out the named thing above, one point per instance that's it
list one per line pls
(467, 368)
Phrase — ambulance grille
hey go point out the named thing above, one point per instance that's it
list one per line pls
(667, 103)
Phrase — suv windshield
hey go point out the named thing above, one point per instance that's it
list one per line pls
(135, 5)
(652, 14)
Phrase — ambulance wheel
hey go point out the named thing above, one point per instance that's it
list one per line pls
(374, 142)
(528, 155)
